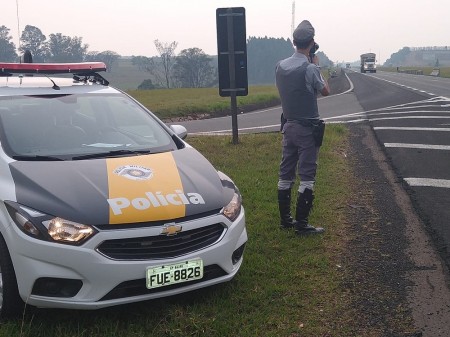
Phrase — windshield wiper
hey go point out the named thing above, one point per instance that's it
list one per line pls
(114, 153)
(38, 158)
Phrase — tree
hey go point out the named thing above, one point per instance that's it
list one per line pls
(263, 55)
(7, 47)
(193, 68)
(437, 65)
(141, 62)
(146, 85)
(167, 54)
(398, 58)
(34, 41)
(65, 48)
(151, 65)
(324, 61)
(108, 57)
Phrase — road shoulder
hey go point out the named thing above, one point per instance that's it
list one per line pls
(397, 281)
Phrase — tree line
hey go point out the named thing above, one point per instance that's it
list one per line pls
(191, 67)
(56, 48)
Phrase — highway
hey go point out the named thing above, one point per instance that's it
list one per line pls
(414, 131)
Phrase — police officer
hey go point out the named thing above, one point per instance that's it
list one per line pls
(298, 80)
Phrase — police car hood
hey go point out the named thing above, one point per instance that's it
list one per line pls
(123, 190)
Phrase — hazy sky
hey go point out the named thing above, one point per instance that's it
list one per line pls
(344, 28)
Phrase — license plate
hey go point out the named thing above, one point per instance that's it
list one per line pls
(174, 273)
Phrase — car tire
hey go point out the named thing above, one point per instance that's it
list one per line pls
(10, 302)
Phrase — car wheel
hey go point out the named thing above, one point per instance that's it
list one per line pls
(10, 302)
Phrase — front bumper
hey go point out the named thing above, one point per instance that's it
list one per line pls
(107, 282)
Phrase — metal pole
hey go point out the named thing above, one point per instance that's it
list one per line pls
(231, 66)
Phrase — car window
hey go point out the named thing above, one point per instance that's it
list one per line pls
(79, 124)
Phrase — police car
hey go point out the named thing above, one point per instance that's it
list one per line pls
(101, 203)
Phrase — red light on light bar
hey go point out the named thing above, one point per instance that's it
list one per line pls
(52, 68)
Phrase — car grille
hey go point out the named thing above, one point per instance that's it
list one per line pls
(162, 246)
(137, 287)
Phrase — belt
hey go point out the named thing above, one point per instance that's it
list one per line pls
(304, 122)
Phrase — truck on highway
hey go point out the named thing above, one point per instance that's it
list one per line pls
(368, 63)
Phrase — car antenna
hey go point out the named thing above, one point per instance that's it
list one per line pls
(55, 87)
(18, 24)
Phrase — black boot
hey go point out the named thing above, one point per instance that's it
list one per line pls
(304, 206)
(284, 204)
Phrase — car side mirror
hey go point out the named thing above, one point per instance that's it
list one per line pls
(179, 130)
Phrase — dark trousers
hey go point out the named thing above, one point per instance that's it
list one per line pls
(299, 154)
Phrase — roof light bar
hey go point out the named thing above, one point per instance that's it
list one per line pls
(52, 68)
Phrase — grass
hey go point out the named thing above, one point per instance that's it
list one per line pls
(287, 286)
(169, 103)
(198, 102)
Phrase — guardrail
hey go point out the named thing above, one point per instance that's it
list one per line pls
(410, 71)
(435, 72)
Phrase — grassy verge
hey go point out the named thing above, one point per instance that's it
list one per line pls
(287, 286)
(194, 103)
(184, 102)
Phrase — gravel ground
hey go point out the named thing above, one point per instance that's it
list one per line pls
(397, 283)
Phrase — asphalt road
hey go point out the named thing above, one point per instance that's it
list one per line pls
(412, 124)
(335, 108)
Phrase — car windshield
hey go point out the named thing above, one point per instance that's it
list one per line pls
(78, 126)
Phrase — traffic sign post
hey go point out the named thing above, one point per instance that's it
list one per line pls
(232, 58)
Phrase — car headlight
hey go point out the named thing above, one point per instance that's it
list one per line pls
(233, 209)
(45, 227)
(62, 230)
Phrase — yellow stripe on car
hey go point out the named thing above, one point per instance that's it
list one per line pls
(145, 188)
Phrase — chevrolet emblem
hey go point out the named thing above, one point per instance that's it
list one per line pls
(171, 229)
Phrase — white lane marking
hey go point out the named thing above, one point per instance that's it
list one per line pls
(413, 104)
(418, 146)
(227, 131)
(355, 114)
(407, 128)
(427, 182)
(349, 121)
(408, 117)
(405, 86)
(406, 112)
(416, 106)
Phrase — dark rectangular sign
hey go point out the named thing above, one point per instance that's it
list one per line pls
(232, 51)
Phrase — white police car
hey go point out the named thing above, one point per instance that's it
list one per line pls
(100, 202)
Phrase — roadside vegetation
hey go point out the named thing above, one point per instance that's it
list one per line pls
(194, 103)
